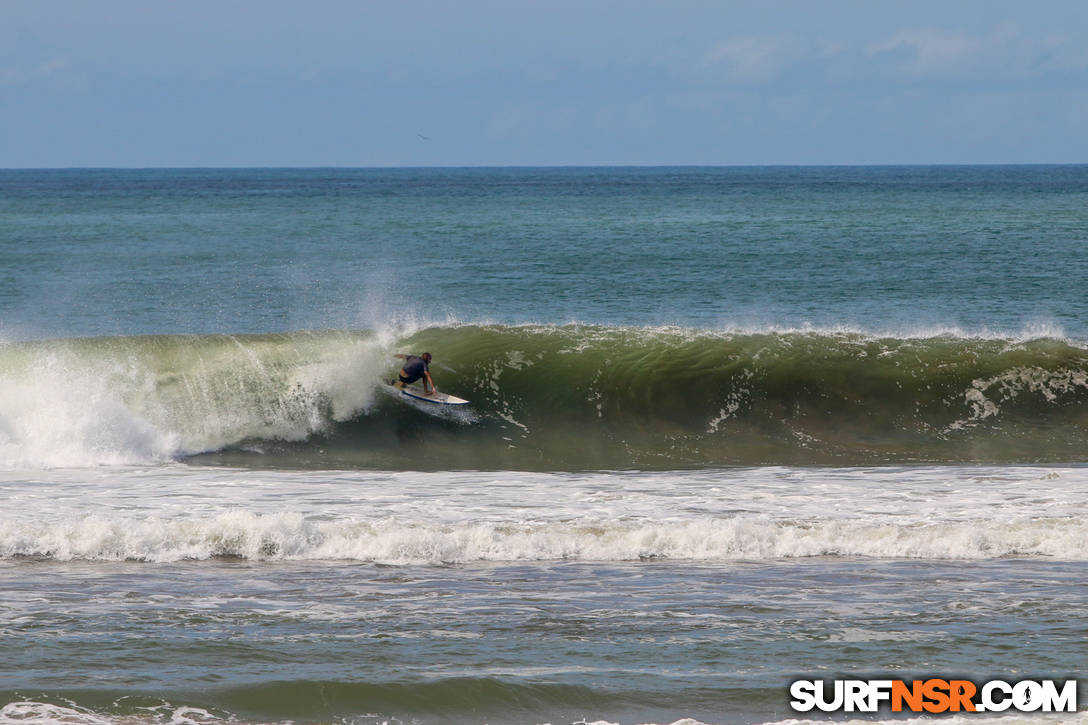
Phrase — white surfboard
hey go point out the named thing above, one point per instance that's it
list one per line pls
(437, 399)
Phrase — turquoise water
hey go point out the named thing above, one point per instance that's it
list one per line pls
(880, 248)
(729, 428)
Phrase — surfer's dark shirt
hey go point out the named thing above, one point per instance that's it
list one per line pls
(414, 367)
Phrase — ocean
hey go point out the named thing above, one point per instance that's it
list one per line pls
(729, 428)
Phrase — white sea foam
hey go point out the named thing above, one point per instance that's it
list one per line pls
(180, 512)
(61, 414)
(142, 400)
(290, 536)
(44, 713)
(47, 713)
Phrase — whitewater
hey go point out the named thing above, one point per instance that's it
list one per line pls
(397, 518)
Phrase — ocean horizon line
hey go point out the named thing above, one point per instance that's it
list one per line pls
(483, 167)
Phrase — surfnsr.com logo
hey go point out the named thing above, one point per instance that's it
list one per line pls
(933, 696)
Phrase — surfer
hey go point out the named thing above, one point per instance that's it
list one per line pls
(416, 367)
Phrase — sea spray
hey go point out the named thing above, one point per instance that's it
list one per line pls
(93, 401)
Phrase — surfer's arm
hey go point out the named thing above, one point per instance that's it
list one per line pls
(434, 388)
(400, 355)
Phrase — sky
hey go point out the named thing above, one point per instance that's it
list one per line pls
(227, 83)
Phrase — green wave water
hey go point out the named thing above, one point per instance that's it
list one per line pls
(549, 397)
(673, 397)
(451, 700)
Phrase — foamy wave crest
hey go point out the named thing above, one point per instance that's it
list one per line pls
(61, 414)
(293, 537)
(47, 713)
(41, 713)
(112, 401)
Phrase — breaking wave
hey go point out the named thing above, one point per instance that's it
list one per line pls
(292, 537)
(569, 397)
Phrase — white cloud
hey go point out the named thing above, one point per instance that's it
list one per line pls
(1005, 54)
(755, 59)
(926, 51)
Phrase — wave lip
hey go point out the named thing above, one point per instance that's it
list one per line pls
(292, 537)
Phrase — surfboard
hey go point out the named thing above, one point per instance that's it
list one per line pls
(417, 393)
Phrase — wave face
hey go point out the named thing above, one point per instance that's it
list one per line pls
(546, 397)
(674, 397)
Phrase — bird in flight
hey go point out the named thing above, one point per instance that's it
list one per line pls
(425, 138)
